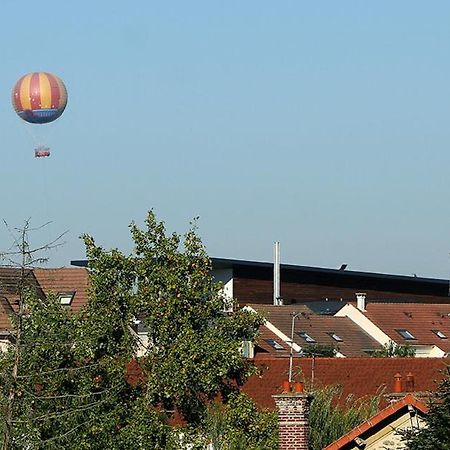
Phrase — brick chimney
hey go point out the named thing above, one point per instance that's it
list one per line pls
(293, 419)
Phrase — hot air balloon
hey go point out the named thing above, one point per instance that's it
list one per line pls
(39, 98)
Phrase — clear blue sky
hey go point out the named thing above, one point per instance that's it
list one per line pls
(324, 125)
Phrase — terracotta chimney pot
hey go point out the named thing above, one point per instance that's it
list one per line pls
(397, 384)
(409, 385)
(286, 386)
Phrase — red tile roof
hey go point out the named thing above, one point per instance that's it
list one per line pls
(65, 280)
(354, 340)
(383, 416)
(357, 376)
(418, 319)
(43, 281)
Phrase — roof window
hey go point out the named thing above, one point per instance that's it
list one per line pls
(405, 334)
(336, 337)
(439, 334)
(275, 344)
(65, 298)
(306, 337)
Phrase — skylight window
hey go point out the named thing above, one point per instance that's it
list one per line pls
(306, 337)
(336, 337)
(405, 334)
(439, 334)
(65, 298)
(273, 343)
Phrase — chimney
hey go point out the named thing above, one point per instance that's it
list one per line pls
(277, 300)
(293, 419)
(361, 301)
(397, 390)
(409, 384)
(397, 383)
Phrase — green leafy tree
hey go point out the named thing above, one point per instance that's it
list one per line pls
(63, 374)
(64, 382)
(238, 424)
(320, 350)
(194, 347)
(435, 434)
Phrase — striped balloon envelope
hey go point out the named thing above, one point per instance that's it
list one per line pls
(39, 97)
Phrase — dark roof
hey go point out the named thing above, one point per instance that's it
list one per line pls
(366, 280)
(354, 340)
(357, 376)
(224, 263)
(328, 307)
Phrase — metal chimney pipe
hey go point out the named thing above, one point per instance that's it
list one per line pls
(276, 274)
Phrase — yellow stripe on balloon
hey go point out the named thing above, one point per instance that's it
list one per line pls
(45, 91)
(25, 98)
(62, 93)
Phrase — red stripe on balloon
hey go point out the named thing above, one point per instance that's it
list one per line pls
(56, 94)
(35, 93)
(16, 96)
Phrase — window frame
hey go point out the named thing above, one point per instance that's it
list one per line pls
(440, 334)
(306, 337)
(275, 345)
(406, 334)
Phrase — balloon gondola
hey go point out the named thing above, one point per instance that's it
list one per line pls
(42, 152)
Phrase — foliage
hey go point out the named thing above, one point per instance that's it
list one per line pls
(194, 347)
(70, 380)
(331, 416)
(320, 350)
(63, 382)
(393, 350)
(239, 425)
(436, 433)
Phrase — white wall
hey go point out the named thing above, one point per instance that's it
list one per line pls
(226, 277)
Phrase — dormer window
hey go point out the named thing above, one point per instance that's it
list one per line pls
(306, 337)
(65, 298)
(407, 335)
(439, 334)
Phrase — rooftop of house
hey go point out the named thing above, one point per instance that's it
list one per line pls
(427, 287)
(357, 376)
(69, 283)
(312, 329)
(10, 285)
(383, 418)
(413, 323)
(269, 344)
